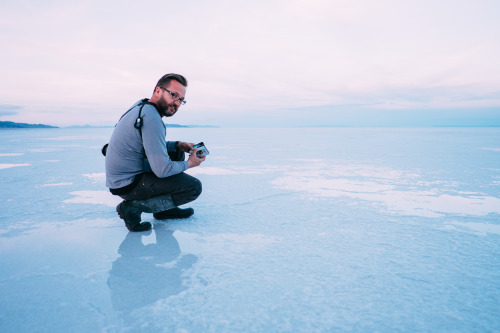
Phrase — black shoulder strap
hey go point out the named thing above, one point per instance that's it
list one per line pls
(138, 121)
(141, 104)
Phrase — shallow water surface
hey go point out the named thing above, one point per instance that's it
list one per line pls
(297, 230)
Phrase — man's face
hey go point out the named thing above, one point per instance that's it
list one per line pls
(168, 104)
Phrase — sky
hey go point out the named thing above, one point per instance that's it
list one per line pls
(254, 63)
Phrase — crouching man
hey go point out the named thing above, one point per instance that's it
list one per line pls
(144, 169)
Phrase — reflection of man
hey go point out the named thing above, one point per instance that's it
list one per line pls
(144, 169)
(143, 275)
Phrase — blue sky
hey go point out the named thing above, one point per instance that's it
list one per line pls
(249, 63)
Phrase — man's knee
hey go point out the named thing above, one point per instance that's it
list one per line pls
(178, 155)
(197, 187)
(190, 190)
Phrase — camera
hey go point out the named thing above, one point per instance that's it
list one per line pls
(202, 150)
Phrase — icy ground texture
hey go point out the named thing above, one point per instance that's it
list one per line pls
(297, 230)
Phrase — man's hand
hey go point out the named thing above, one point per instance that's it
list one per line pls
(185, 146)
(193, 159)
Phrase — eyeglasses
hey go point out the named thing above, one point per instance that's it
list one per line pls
(175, 97)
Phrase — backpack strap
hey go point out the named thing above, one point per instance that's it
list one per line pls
(138, 121)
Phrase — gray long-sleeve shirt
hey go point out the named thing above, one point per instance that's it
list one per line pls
(126, 154)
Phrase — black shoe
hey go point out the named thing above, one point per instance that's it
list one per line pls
(132, 218)
(174, 213)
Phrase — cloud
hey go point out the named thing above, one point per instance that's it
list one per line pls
(92, 60)
(8, 110)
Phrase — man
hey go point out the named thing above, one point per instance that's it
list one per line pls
(144, 169)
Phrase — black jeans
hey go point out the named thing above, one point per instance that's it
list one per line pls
(183, 187)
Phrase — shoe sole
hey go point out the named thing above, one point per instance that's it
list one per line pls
(173, 216)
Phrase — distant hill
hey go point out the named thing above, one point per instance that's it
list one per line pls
(11, 124)
(209, 126)
(87, 126)
(167, 125)
(188, 126)
(174, 125)
(90, 126)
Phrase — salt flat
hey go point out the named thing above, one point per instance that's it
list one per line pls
(297, 230)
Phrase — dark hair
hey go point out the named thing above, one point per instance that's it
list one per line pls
(165, 80)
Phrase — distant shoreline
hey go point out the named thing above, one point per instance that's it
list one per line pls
(11, 124)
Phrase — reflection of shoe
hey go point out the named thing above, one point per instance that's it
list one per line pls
(132, 218)
(174, 213)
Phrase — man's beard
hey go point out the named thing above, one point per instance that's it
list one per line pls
(163, 106)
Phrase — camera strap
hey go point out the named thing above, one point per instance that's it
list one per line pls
(138, 122)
